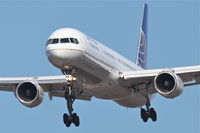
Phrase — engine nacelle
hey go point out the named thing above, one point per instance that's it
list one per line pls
(168, 84)
(29, 93)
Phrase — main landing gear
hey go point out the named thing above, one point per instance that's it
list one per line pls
(149, 112)
(70, 118)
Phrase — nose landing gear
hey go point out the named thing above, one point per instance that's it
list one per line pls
(70, 118)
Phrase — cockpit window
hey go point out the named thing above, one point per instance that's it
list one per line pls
(76, 41)
(64, 40)
(54, 41)
(72, 40)
(48, 42)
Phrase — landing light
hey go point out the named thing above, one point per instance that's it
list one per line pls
(121, 76)
(70, 78)
(66, 67)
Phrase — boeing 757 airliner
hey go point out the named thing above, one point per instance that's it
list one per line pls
(90, 69)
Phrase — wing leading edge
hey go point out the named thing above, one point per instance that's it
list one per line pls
(189, 75)
(54, 85)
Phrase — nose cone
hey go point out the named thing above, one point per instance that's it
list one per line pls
(64, 58)
(65, 47)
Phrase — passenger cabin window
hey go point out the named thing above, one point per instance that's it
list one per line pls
(64, 40)
(54, 41)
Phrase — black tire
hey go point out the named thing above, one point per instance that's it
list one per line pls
(65, 117)
(68, 121)
(144, 115)
(76, 119)
(153, 114)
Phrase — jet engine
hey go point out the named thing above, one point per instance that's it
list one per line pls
(29, 93)
(168, 84)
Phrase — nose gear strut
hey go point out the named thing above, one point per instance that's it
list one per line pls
(70, 118)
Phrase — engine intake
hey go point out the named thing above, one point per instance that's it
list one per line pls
(168, 84)
(30, 94)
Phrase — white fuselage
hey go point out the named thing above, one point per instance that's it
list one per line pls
(95, 64)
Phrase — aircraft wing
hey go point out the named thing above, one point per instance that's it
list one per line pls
(54, 85)
(189, 75)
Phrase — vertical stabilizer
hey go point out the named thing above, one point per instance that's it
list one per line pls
(142, 46)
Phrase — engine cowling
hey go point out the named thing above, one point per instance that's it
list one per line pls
(168, 84)
(29, 93)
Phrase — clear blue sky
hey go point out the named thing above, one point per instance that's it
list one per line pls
(174, 33)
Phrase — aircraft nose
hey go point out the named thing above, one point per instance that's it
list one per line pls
(63, 58)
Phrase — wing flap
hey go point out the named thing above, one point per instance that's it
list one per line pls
(57, 93)
(7, 88)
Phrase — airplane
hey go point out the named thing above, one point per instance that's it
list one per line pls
(90, 69)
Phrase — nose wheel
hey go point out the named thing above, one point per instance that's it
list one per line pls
(71, 117)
